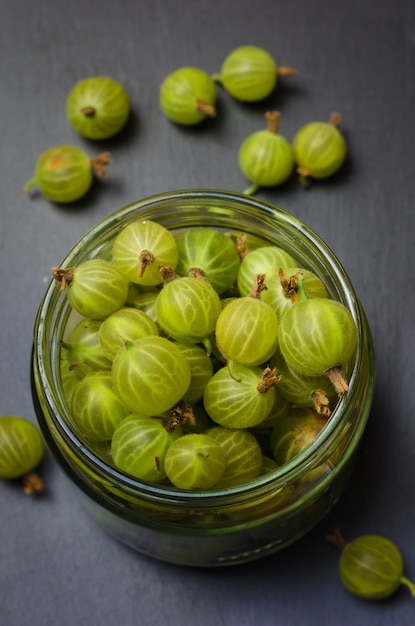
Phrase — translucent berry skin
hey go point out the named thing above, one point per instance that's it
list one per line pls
(139, 446)
(140, 237)
(187, 309)
(266, 158)
(247, 331)
(195, 461)
(96, 408)
(264, 260)
(294, 433)
(210, 251)
(371, 567)
(249, 73)
(184, 94)
(150, 375)
(234, 401)
(21, 446)
(316, 335)
(125, 324)
(97, 107)
(62, 174)
(97, 289)
(242, 453)
(319, 149)
(83, 349)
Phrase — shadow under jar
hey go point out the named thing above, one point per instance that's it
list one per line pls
(215, 527)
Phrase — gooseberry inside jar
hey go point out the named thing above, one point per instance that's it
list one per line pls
(215, 526)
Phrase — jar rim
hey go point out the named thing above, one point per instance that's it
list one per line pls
(261, 211)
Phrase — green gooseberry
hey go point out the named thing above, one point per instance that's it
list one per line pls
(250, 74)
(371, 566)
(195, 461)
(188, 95)
(97, 107)
(319, 149)
(64, 174)
(266, 157)
(21, 450)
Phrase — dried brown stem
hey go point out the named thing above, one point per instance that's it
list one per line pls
(32, 483)
(269, 379)
(335, 119)
(321, 402)
(337, 539)
(64, 276)
(289, 285)
(338, 380)
(258, 286)
(273, 121)
(88, 111)
(181, 414)
(146, 258)
(167, 273)
(206, 108)
(284, 70)
(98, 164)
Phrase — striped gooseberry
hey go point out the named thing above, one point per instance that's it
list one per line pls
(139, 446)
(265, 157)
(83, 350)
(125, 324)
(210, 254)
(195, 461)
(95, 288)
(187, 307)
(250, 74)
(319, 149)
(96, 408)
(318, 336)
(371, 566)
(283, 288)
(188, 95)
(242, 400)
(263, 260)
(247, 328)
(21, 450)
(243, 455)
(150, 375)
(65, 173)
(140, 248)
(97, 107)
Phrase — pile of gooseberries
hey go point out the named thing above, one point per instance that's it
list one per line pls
(179, 371)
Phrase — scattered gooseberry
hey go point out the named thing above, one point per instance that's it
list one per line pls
(21, 450)
(188, 96)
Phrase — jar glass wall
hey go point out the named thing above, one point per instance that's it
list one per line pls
(217, 527)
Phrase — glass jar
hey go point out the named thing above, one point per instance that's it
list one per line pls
(217, 527)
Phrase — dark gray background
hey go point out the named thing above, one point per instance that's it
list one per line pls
(356, 57)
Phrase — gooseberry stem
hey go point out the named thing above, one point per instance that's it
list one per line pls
(269, 379)
(258, 286)
(337, 539)
(335, 119)
(98, 163)
(167, 273)
(338, 380)
(88, 111)
(251, 190)
(146, 258)
(409, 584)
(206, 108)
(30, 184)
(64, 276)
(181, 414)
(32, 483)
(321, 402)
(293, 287)
(273, 121)
(286, 71)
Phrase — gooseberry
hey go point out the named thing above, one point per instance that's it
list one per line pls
(371, 566)
(319, 149)
(201, 370)
(210, 254)
(187, 307)
(65, 173)
(242, 454)
(264, 260)
(97, 107)
(188, 96)
(125, 324)
(242, 400)
(195, 461)
(82, 349)
(318, 336)
(266, 157)
(249, 73)
(96, 408)
(139, 446)
(150, 375)
(21, 450)
(247, 329)
(140, 248)
(95, 288)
